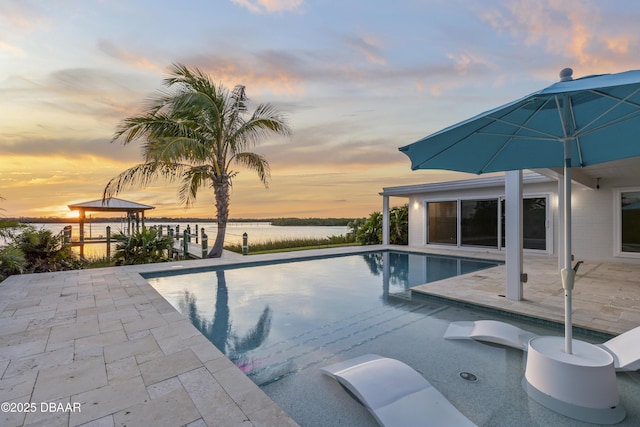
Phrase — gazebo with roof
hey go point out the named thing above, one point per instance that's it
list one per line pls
(134, 211)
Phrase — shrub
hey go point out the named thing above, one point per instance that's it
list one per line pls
(12, 261)
(44, 251)
(142, 247)
(368, 231)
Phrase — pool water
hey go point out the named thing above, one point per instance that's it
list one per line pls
(280, 323)
(271, 319)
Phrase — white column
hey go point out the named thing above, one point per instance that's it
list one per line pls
(385, 220)
(513, 226)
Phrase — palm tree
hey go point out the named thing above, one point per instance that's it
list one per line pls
(194, 134)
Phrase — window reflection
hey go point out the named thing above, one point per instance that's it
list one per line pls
(443, 222)
(630, 203)
(479, 222)
(534, 223)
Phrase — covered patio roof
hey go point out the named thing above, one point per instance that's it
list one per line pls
(134, 211)
(110, 205)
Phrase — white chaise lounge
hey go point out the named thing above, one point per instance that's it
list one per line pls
(492, 331)
(625, 348)
(394, 393)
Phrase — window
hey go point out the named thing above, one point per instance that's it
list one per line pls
(443, 222)
(630, 221)
(479, 222)
(534, 223)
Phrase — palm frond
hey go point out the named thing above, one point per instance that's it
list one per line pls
(265, 121)
(141, 175)
(192, 78)
(152, 126)
(256, 163)
(193, 179)
(179, 149)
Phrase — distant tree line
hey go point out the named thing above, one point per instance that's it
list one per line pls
(325, 222)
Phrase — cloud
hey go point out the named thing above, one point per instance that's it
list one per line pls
(76, 99)
(300, 71)
(131, 58)
(270, 6)
(332, 146)
(470, 63)
(12, 49)
(22, 15)
(368, 46)
(581, 32)
(264, 71)
(63, 150)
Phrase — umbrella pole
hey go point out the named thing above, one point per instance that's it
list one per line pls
(567, 273)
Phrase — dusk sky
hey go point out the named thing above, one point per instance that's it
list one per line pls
(356, 78)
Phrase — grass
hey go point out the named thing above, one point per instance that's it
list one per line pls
(100, 262)
(265, 247)
(300, 248)
(288, 245)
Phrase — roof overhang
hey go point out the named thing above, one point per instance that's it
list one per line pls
(110, 205)
(488, 182)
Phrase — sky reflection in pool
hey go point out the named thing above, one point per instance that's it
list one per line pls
(257, 314)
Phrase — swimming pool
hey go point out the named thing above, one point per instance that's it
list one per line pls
(281, 322)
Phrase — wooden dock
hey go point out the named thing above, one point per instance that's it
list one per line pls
(194, 250)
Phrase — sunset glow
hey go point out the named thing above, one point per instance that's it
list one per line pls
(356, 80)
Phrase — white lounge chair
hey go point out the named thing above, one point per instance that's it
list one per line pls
(394, 393)
(492, 331)
(624, 348)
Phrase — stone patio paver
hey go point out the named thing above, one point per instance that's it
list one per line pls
(606, 296)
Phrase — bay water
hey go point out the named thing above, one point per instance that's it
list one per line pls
(257, 232)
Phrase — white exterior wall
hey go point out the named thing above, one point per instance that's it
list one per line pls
(592, 230)
(593, 222)
(417, 221)
(594, 227)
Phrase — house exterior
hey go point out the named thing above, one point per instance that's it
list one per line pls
(473, 214)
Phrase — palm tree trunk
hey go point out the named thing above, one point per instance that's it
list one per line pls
(221, 190)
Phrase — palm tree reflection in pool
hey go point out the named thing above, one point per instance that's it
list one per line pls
(219, 330)
(398, 270)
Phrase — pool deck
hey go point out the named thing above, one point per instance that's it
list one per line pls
(606, 296)
(106, 349)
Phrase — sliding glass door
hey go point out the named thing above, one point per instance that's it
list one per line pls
(443, 222)
(630, 221)
(481, 223)
(534, 223)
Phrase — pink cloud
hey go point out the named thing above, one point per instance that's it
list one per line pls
(577, 30)
(269, 6)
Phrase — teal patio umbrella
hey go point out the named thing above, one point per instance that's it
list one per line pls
(572, 123)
